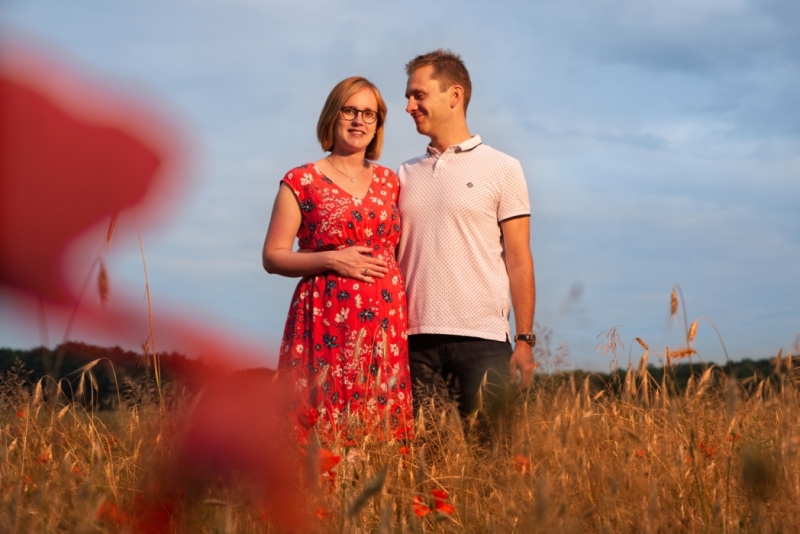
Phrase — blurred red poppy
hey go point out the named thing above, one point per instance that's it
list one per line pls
(733, 436)
(327, 460)
(420, 509)
(323, 513)
(521, 464)
(109, 512)
(308, 418)
(440, 504)
(74, 154)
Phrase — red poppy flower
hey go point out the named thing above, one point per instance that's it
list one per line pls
(707, 450)
(327, 460)
(521, 464)
(323, 513)
(733, 436)
(404, 451)
(308, 418)
(420, 509)
(109, 512)
(152, 514)
(42, 459)
(440, 504)
(640, 453)
(73, 155)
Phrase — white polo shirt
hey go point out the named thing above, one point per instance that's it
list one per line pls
(451, 248)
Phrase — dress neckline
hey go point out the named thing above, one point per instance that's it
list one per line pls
(339, 187)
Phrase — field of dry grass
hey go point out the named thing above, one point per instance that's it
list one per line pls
(719, 456)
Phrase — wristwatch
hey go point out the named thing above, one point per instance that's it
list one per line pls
(530, 339)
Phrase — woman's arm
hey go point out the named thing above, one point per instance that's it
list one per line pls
(279, 258)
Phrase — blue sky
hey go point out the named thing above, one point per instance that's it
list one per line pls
(660, 141)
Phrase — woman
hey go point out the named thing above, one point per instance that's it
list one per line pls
(345, 342)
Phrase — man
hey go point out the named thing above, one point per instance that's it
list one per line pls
(464, 246)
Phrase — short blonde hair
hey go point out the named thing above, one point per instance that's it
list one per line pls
(330, 114)
(448, 69)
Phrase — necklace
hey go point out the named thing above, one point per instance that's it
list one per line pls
(352, 178)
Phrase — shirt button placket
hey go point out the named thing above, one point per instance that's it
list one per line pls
(440, 163)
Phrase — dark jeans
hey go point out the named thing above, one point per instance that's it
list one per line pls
(455, 366)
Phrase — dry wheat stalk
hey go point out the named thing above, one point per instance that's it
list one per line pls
(102, 282)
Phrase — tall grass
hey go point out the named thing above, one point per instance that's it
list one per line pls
(637, 455)
(718, 456)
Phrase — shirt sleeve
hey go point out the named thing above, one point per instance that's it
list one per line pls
(394, 184)
(514, 200)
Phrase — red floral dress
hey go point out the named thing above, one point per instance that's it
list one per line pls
(345, 343)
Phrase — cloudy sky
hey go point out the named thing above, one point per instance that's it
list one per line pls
(660, 141)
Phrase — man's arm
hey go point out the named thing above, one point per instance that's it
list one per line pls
(519, 264)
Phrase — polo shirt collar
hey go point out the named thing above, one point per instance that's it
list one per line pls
(466, 146)
(469, 144)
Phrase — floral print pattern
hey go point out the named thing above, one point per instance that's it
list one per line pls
(345, 342)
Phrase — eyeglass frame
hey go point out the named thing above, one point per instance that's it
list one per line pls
(357, 111)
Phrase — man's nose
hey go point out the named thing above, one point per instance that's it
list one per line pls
(411, 106)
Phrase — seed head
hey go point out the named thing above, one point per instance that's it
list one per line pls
(102, 283)
(673, 303)
(693, 330)
(681, 353)
(112, 224)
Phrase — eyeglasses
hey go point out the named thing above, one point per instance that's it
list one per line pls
(367, 115)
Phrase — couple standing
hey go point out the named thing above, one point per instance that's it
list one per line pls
(452, 227)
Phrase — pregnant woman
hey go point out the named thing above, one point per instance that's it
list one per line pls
(345, 343)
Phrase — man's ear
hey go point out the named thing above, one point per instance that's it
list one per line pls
(456, 95)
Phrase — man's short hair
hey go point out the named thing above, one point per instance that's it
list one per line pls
(448, 69)
(330, 114)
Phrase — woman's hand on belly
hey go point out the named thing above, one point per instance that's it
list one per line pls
(353, 262)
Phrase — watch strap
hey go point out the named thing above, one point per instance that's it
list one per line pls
(530, 339)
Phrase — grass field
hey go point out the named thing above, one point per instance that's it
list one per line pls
(719, 456)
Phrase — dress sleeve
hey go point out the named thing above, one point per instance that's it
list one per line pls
(294, 179)
(298, 180)
(514, 200)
